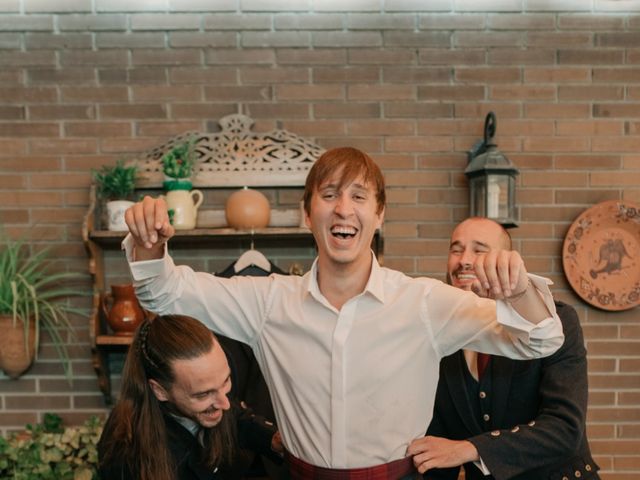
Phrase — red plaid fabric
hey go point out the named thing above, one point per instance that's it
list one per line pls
(301, 470)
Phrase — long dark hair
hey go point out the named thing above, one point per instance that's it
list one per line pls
(135, 434)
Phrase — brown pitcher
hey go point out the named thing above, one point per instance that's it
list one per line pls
(125, 313)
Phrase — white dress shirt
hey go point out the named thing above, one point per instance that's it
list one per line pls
(351, 387)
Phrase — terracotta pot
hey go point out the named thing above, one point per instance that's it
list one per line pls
(247, 209)
(122, 309)
(15, 359)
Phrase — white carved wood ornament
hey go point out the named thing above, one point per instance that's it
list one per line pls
(237, 157)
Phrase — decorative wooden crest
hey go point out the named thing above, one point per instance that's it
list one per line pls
(237, 157)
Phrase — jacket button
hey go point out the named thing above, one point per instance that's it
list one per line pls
(486, 417)
(482, 395)
(565, 478)
(587, 467)
(531, 423)
(515, 429)
(578, 474)
(496, 433)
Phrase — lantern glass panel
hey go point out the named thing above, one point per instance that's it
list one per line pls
(498, 196)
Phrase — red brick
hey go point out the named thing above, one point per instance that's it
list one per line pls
(590, 57)
(63, 146)
(488, 39)
(420, 110)
(558, 39)
(572, 21)
(513, 56)
(616, 110)
(487, 75)
(208, 76)
(97, 129)
(61, 112)
(310, 92)
(522, 92)
(346, 75)
(616, 75)
(388, 56)
(381, 127)
(454, 22)
(30, 129)
(444, 56)
(314, 57)
(63, 76)
(342, 110)
(557, 74)
(166, 57)
(589, 127)
(552, 110)
(381, 92)
(263, 76)
(456, 93)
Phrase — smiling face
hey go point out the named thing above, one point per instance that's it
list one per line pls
(470, 239)
(343, 219)
(344, 202)
(200, 389)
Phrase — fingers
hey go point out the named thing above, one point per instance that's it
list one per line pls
(501, 272)
(148, 222)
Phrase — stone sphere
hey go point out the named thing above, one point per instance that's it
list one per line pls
(247, 209)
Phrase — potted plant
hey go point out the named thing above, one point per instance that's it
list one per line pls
(182, 200)
(115, 186)
(51, 451)
(33, 298)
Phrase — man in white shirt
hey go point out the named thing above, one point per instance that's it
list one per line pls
(350, 350)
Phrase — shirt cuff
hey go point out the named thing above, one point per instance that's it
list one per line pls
(509, 316)
(482, 467)
(143, 269)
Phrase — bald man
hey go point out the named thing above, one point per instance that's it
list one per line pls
(500, 418)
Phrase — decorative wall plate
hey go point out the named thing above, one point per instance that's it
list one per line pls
(601, 255)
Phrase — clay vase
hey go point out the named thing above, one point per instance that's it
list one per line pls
(247, 209)
(124, 313)
(14, 357)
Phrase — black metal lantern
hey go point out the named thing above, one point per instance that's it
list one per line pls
(492, 179)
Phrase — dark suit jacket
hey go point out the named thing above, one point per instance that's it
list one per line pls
(535, 429)
(253, 433)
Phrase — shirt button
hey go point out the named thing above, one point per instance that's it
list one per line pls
(531, 423)
(578, 474)
(565, 478)
(496, 433)
(483, 395)
(587, 467)
(515, 429)
(486, 417)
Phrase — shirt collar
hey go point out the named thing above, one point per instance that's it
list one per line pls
(374, 284)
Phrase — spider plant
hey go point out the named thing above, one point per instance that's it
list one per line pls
(31, 292)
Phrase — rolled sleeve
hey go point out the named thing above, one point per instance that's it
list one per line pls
(542, 339)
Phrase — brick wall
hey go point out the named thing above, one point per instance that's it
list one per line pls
(84, 82)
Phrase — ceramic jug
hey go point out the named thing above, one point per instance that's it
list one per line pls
(183, 207)
(124, 314)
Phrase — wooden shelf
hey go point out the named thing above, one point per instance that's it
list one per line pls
(114, 340)
(106, 238)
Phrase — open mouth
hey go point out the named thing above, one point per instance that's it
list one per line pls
(466, 276)
(343, 232)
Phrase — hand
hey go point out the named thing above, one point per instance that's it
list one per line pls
(437, 452)
(276, 443)
(501, 273)
(148, 222)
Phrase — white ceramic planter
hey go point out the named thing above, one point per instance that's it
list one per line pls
(115, 215)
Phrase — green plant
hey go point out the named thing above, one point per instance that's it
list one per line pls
(50, 452)
(179, 161)
(115, 182)
(31, 292)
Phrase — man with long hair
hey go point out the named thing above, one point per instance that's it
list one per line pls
(173, 419)
(350, 351)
